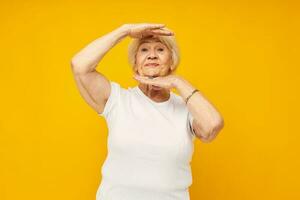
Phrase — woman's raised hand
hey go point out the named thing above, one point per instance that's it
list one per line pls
(145, 29)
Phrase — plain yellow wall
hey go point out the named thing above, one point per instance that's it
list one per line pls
(244, 56)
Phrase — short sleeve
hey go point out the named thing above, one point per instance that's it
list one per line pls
(190, 122)
(112, 101)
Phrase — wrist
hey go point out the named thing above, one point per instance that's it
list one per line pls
(124, 30)
(185, 89)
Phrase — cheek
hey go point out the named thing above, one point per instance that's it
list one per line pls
(139, 58)
(167, 59)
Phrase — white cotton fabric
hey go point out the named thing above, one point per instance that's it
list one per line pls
(150, 147)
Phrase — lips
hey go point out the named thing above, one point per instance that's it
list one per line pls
(152, 64)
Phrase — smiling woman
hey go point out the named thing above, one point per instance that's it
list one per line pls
(154, 56)
(151, 129)
(164, 46)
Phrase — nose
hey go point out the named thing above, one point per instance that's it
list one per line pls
(152, 55)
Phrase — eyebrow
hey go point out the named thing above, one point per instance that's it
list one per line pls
(150, 42)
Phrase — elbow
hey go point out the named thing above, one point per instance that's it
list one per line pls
(213, 132)
(75, 67)
(81, 67)
(74, 63)
(220, 125)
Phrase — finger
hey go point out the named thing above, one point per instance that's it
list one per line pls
(141, 80)
(162, 32)
(145, 80)
(154, 26)
(139, 76)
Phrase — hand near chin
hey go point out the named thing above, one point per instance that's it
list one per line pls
(167, 82)
(146, 30)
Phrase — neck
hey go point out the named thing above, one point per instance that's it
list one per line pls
(158, 95)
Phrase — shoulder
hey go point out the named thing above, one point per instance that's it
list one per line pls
(116, 87)
(117, 94)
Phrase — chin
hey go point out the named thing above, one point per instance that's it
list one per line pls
(151, 72)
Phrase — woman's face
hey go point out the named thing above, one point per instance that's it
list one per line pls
(153, 58)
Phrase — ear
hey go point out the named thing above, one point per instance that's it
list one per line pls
(171, 63)
(172, 67)
(135, 69)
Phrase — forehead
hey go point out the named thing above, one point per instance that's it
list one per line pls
(151, 42)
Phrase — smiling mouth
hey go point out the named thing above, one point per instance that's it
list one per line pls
(152, 65)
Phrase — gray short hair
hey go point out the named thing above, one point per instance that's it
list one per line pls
(169, 41)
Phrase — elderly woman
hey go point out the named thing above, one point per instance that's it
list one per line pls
(151, 129)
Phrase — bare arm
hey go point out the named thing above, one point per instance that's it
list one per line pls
(207, 120)
(87, 59)
(93, 86)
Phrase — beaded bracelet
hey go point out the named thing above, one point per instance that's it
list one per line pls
(190, 96)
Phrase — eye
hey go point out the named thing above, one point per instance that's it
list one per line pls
(143, 49)
(160, 49)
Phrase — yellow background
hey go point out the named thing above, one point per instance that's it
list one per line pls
(244, 56)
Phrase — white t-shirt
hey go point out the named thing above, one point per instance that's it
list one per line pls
(150, 146)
